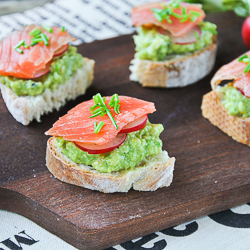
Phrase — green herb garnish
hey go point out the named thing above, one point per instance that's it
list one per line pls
(100, 111)
(98, 127)
(20, 43)
(35, 32)
(100, 108)
(47, 28)
(33, 43)
(168, 11)
(36, 39)
(114, 103)
(196, 13)
(19, 50)
(245, 59)
(39, 36)
(63, 28)
(45, 39)
(111, 117)
(242, 58)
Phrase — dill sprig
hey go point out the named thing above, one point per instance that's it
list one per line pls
(245, 59)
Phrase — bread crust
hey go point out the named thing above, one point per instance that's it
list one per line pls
(27, 108)
(153, 173)
(179, 71)
(236, 127)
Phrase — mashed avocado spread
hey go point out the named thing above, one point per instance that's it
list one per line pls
(234, 102)
(62, 67)
(138, 145)
(151, 45)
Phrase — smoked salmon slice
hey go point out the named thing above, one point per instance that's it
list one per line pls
(234, 71)
(77, 125)
(34, 58)
(143, 16)
(243, 84)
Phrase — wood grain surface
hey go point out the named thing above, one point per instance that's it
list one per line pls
(212, 171)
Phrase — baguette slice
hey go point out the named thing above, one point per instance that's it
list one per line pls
(26, 108)
(177, 71)
(149, 175)
(236, 127)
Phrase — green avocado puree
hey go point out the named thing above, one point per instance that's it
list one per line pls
(62, 67)
(151, 45)
(234, 102)
(138, 145)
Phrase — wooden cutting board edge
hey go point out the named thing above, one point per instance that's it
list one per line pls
(100, 238)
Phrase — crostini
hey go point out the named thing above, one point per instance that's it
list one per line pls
(228, 106)
(40, 71)
(174, 46)
(108, 144)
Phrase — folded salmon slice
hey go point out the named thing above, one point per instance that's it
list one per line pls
(243, 83)
(143, 15)
(234, 71)
(77, 126)
(34, 58)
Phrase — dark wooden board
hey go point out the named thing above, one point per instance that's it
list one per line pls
(212, 171)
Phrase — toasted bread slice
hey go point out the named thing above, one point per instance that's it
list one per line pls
(236, 127)
(177, 71)
(26, 108)
(151, 174)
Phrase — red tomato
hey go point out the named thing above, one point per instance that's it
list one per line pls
(246, 32)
